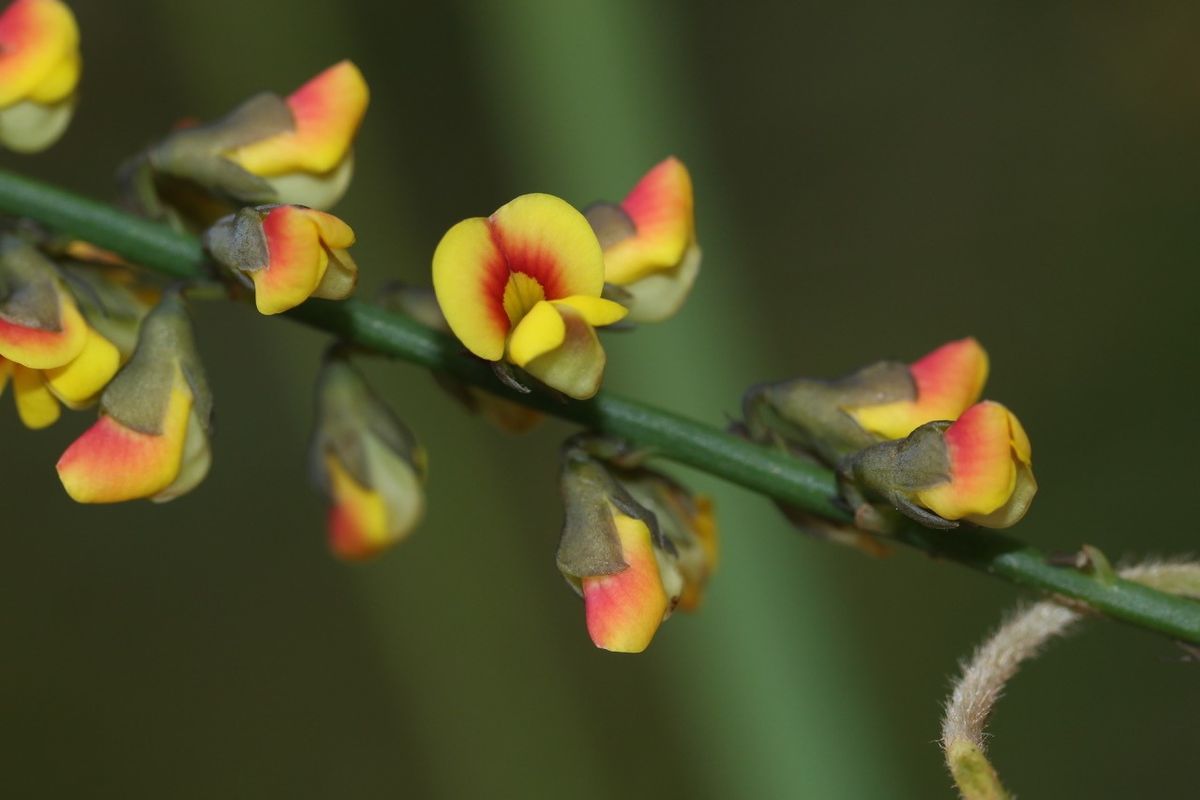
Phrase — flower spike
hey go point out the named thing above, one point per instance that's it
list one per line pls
(39, 70)
(524, 285)
(152, 438)
(291, 253)
(367, 462)
(649, 242)
(977, 468)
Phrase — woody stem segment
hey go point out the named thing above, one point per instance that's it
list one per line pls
(671, 436)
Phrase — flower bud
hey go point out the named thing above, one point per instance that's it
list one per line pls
(524, 285)
(886, 400)
(649, 242)
(977, 468)
(46, 344)
(39, 69)
(613, 552)
(296, 150)
(152, 438)
(367, 462)
(421, 304)
(290, 253)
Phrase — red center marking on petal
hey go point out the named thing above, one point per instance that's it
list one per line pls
(23, 336)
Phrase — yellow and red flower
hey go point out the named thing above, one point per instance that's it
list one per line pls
(990, 477)
(297, 150)
(614, 554)
(367, 462)
(46, 345)
(649, 242)
(978, 468)
(39, 70)
(887, 400)
(152, 438)
(944, 384)
(524, 285)
(290, 253)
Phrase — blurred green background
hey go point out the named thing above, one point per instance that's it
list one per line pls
(872, 180)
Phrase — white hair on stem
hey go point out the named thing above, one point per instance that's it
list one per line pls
(1019, 638)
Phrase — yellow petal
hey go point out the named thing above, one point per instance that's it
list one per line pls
(660, 207)
(35, 405)
(111, 463)
(358, 526)
(539, 332)
(469, 278)
(983, 466)
(77, 383)
(39, 51)
(326, 113)
(596, 311)
(576, 367)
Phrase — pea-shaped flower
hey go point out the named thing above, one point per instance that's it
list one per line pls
(524, 285)
(152, 438)
(977, 468)
(886, 400)
(367, 462)
(290, 253)
(649, 242)
(47, 346)
(39, 69)
(296, 150)
(614, 554)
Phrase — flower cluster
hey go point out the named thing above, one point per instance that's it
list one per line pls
(914, 436)
(636, 545)
(526, 289)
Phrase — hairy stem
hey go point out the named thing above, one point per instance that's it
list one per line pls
(993, 664)
(673, 437)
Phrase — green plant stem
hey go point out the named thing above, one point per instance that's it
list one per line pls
(671, 436)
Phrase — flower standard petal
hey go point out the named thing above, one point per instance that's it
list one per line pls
(290, 253)
(992, 482)
(111, 462)
(547, 239)
(625, 609)
(660, 208)
(326, 112)
(41, 326)
(470, 275)
(946, 382)
(38, 42)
